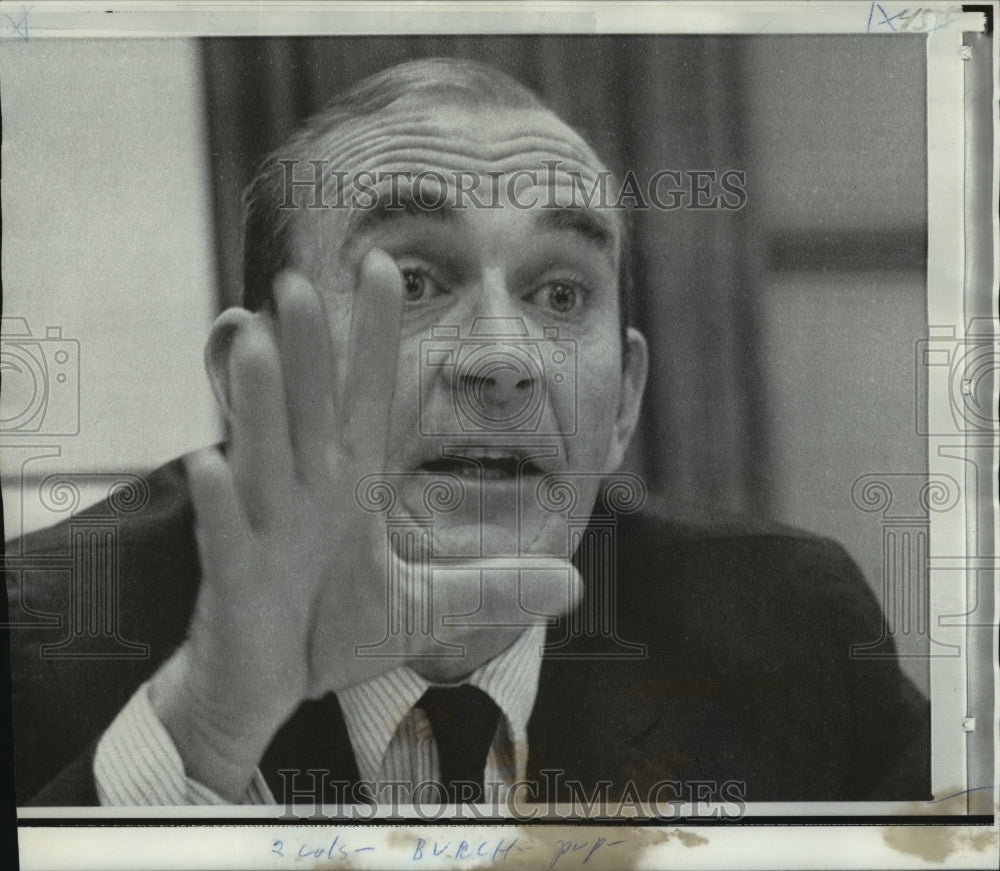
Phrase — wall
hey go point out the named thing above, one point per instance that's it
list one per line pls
(837, 178)
(107, 236)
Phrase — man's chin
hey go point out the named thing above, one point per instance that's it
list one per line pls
(469, 519)
(484, 539)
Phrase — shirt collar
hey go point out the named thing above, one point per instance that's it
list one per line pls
(374, 709)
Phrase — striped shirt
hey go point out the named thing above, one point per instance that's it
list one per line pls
(137, 763)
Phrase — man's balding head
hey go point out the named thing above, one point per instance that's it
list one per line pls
(330, 144)
(514, 366)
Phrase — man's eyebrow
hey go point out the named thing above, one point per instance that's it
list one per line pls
(582, 221)
(388, 207)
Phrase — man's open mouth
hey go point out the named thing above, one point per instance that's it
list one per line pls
(491, 465)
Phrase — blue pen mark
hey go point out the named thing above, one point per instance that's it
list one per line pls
(564, 847)
(956, 794)
(20, 26)
(931, 30)
(886, 18)
(598, 843)
(335, 850)
(467, 849)
(913, 22)
(766, 24)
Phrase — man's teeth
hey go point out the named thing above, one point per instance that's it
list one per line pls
(486, 466)
(490, 467)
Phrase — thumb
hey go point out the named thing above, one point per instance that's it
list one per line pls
(507, 593)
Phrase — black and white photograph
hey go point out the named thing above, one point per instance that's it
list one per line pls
(532, 436)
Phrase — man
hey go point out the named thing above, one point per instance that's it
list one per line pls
(431, 377)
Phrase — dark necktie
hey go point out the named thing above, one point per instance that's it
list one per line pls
(464, 720)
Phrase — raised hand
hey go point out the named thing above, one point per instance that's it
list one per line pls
(293, 570)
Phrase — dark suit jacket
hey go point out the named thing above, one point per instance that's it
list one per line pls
(747, 674)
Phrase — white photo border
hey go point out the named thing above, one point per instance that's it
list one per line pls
(963, 273)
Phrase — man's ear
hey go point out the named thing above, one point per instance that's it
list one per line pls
(218, 350)
(635, 365)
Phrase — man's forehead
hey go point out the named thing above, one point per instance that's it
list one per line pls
(377, 162)
(413, 133)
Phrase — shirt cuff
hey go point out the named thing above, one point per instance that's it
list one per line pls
(137, 764)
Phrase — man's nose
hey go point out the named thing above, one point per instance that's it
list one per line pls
(496, 388)
(500, 380)
(497, 381)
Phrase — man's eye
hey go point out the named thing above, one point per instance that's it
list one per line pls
(562, 297)
(419, 286)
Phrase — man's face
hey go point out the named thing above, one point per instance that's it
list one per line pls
(511, 363)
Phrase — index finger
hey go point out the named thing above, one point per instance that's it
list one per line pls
(372, 358)
(308, 371)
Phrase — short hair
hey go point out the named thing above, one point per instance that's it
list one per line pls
(267, 228)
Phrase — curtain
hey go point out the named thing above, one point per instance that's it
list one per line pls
(646, 104)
